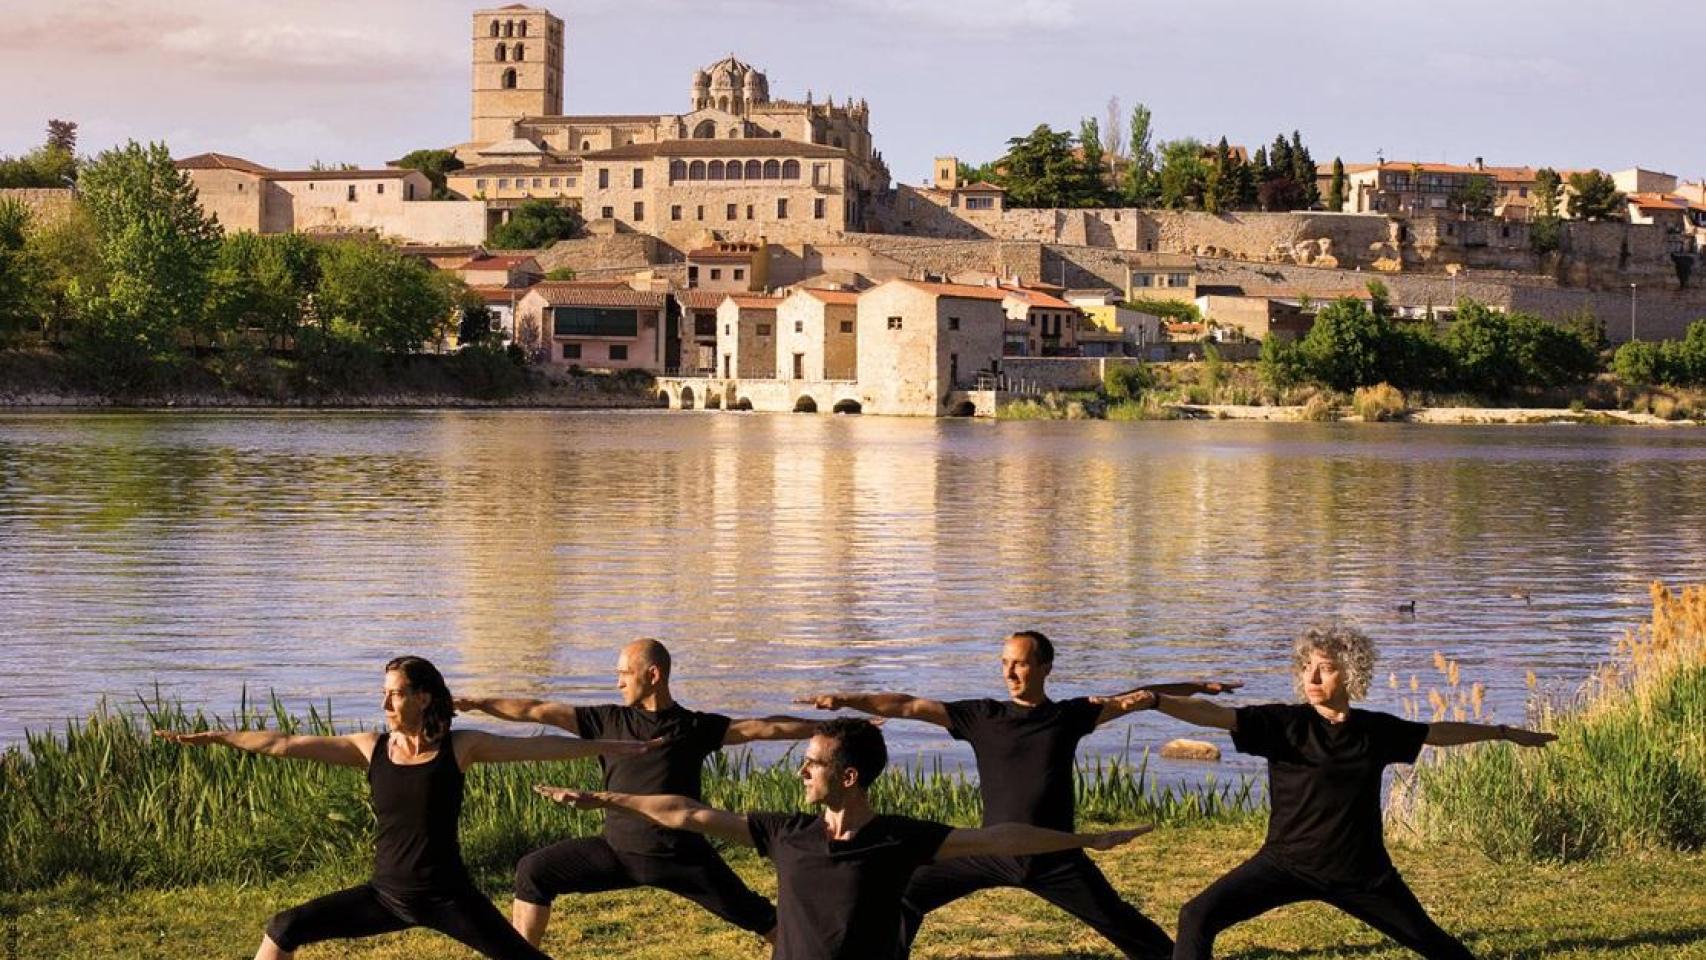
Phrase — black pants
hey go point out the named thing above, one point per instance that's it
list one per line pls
(1068, 880)
(1262, 884)
(366, 911)
(694, 871)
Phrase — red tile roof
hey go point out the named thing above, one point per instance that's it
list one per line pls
(982, 186)
(753, 301)
(699, 299)
(1036, 298)
(498, 294)
(842, 298)
(1657, 201)
(220, 161)
(560, 293)
(739, 147)
(963, 291)
(296, 175)
(495, 261)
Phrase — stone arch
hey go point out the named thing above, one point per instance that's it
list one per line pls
(586, 144)
(723, 104)
(965, 408)
(696, 170)
(772, 170)
(677, 170)
(497, 28)
(805, 404)
(733, 170)
(509, 28)
(741, 403)
(734, 133)
(520, 52)
(687, 398)
(663, 399)
(714, 170)
(521, 28)
(509, 79)
(502, 53)
(848, 406)
(713, 401)
(705, 130)
(754, 170)
(790, 169)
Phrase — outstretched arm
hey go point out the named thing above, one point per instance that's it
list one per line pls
(666, 810)
(477, 746)
(900, 706)
(1447, 734)
(349, 751)
(1200, 712)
(522, 710)
(1126, 701)
(1022, 839)
(769, 728)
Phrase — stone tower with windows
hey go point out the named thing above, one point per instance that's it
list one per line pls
(518, 69)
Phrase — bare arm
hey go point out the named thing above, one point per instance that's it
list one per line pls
(522, 710)
(1126, 701)
(1448, 734)
(769, 728)
(476, 746)
(348, 751)
(666, 810)
(1022, 839)
(900, 706)
(1200, 712)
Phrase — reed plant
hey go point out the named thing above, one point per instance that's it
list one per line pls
(1381, 402)
(102, 801)
(1626, 775)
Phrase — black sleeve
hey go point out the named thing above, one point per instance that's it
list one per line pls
(1260, 731)
(1398, 740)
(709, 729)
(592, 722)
(964, 717)
(1082, 715)
(924, 837)
(768, 829)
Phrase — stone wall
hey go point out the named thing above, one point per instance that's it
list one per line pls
(1061, 373)
(45, 203)
(622, 251)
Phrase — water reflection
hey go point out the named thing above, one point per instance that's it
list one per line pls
(786, 555)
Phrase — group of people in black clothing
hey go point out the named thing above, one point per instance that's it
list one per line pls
(855, 884)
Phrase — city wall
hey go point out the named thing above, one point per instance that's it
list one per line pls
(45, 204)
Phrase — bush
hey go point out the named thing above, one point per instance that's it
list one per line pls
(487, 371)
(1128, 382)
(1281, 365)
(1321, 407)
(1640, 363)
(1380, 402)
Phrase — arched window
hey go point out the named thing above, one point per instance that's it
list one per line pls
(715, 170)
(496, 28)
(754, 170)
(723, 104)
(520, 51)
(790, 169)
(696, 170)
(772, 170)
(502, 53)
(586, 144)
(677, 170)
(522, 29)
(734, 170)
(509, 79)
(509, 28)
(734, 133)
(706, 130)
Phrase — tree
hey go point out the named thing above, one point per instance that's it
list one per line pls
(1141, 186)
(1184, 175)
(435, 164)
(1640, 363)
(157, 247)
(17, 283)
(1475, 198)
(1303, 173)
(62, 135)
(1220, 193)
(53, 164)
(1043, 171)
(1113, 134)
(1548, 187)
(1336, 189)
(1343, 349)
(1090, 146)
(535, 224)
(263, 283)
(322, 165)
(1594, 196)
(391, 302)
(65, 254)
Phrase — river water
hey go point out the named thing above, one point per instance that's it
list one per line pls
(786, 555)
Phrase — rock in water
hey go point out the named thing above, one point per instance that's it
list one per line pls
(1190, 750)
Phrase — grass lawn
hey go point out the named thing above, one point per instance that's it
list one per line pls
(1629, 908)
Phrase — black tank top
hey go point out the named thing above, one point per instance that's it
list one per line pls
(416, 808)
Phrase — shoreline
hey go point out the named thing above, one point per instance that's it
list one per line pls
(1442, 416)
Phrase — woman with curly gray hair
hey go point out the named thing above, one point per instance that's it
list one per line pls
(1325, 761)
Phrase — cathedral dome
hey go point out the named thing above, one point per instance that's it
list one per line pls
(730, 74)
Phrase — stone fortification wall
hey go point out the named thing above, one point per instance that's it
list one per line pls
(1061, 373)
(437, 221)
(967, 260)
(45, 204)
(622, 251)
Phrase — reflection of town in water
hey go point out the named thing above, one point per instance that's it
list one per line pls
(781, 556)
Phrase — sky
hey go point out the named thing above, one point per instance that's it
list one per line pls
(1570, 84)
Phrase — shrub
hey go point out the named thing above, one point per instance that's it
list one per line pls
(1640, 363)
(1379, 403)
(1128, 381)
(1321, 406)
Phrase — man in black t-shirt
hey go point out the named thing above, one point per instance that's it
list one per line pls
(1325, 764)
(633, 852)
(840, 874)
(1025, 748)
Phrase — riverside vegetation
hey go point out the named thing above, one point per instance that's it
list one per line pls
(120, 846)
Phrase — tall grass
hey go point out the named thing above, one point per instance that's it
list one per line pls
(1627, 774)
(103, 801)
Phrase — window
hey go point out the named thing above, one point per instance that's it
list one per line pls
(716, 273)
(675, 211)
(502, 53)
(762, 329)
(692, 275)
(726, 330)
(509, 28)
(594, 322)
(1178, 280)
(509, 79)
(700, 211)
(351, 195)
(379, 188)
(556, 181)
(781, 208)
(846, 326)
(817, 208)
(607, 213)
(618, 351)
(790, 168)
(749, 211)
(495, 28)
(772, 170)
(479, 184)
(729, 214)
(799, 366)
(503, 183)
(799, 326)
(1142, 280)
(520, 51)
(894, 323)
(639, 211)
(538, 181)
(740, 273)
(953, 323)
(571, 351)
(820, 174)
(732, 171)
(639, 177)
(980, 203)
(603, 178)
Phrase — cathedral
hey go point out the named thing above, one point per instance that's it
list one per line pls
(738, 165)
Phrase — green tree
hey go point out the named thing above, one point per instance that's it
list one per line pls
(1640, 363)
(1484, 350)
(157, 248)
(1548, 189)
(1594, 196)
(62, 135)
(1303, 173)
(1474, 198)
(535, 224)
(1141, 186)
(1184, 174)
(1550, 355)
(1281, 364)
(64, 252)
(1336, 189)
(263, 283)
(1042, 170)
(1220, 193)
(1095, 161)
(1344, 348)
(17, 281)
(435, 164)
(391, 302)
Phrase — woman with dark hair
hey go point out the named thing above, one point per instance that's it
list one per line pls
(415, 772)
(1325, 763)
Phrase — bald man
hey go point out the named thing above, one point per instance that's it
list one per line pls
(632, 851)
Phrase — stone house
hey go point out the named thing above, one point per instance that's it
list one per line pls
(500, 270)
(600, 326)
(1161, 276)
(729, 267)
(921, 343)
(817, 335)
(1041, 324)
(1110, 328)
(698, 330)
(746, 337)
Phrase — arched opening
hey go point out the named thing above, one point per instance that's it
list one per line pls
(847, 406)
(696, 170)
(663, 399)
(586, 144)
(520, 52)
(754, 170)
(706, 130)
(805, 405)
(677, 170)
(509, 28)
(713, 401)
(714, 170)
(742, 404)
(497, 28)
(521, 30)
(509, 79)
(502, 53)
(772, 170)
(790, 169)
(733, 170)
(686, 398)
(734, 133)
(723, 104)
(965, 408)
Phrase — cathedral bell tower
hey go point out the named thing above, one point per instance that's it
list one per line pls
(518, 69)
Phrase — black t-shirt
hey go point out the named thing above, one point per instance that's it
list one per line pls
(1324, 785)
(840, 900)
(675, 767)
(1024, 756)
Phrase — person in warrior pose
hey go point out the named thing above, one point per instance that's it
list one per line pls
(1025, 747)
(415, 774)
(841, 873)
(1325, 761)
(633, 852)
